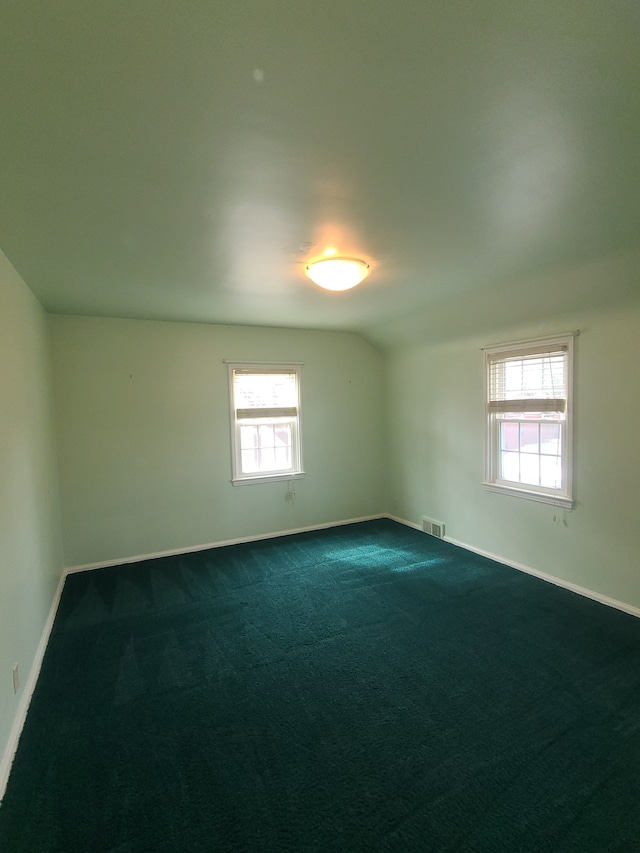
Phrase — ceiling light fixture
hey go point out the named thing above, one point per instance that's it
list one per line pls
(336, 273)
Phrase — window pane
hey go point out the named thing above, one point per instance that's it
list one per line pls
(550, 438)
(510, 466)
(267, 459)
(250, 461)
(283, 435)
(266, 435)
(529, 438)
(508, 436)
(551, 472)
(283, 458)
(266, 447)
(248, 437)
(530, 469)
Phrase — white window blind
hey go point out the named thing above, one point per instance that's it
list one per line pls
(526, 381)
(268, 394)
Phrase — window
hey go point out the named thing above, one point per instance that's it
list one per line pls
(265, 422)
(528, 416)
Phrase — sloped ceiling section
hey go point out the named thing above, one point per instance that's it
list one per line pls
(182, 160)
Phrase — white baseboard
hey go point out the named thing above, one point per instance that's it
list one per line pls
(404, 521)
(573, 587)
(27, 692)
(192, 549)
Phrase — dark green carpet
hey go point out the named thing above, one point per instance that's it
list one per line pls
(366, 688)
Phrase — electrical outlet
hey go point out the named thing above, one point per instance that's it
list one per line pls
(16, 678)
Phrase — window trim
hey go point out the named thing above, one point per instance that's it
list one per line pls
(492, 482)
(296, 472)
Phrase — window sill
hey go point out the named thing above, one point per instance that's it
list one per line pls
(268, 478)
(540, 497)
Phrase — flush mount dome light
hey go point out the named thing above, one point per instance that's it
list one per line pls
(335, 273)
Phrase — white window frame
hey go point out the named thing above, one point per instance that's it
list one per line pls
(562, 496)
(291, 415)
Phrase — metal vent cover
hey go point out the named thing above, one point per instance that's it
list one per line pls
(433, 528)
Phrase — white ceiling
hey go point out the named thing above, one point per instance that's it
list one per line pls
(172, 160)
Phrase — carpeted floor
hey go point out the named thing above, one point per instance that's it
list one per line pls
(364, 688)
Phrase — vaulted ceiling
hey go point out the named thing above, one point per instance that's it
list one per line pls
(182, 159)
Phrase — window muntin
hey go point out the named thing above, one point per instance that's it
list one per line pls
(265, 414)
(529, 419)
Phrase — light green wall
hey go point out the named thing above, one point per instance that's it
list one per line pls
(144, 436)
(30, 542)
(143, 429)
(436, 440)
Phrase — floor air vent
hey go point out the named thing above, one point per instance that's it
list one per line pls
(433, 528)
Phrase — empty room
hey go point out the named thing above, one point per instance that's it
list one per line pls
(319, 415)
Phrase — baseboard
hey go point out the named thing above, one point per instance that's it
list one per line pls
(192, 549)
(27, 692)
(521, 567)
(573, 587)
(404, 521)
